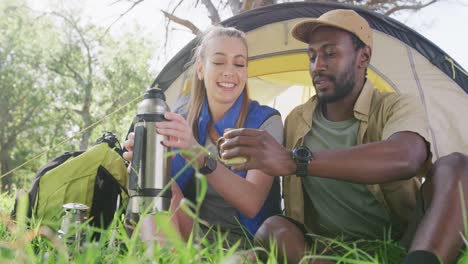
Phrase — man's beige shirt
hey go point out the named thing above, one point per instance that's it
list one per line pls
(380, 116)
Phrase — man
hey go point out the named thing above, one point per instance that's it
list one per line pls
(358, 156)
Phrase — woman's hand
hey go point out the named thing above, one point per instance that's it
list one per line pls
(128, 145)
(179, 133)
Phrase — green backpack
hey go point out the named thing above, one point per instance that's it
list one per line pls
(97, 178)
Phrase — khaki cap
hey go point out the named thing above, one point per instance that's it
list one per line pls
(344, 19)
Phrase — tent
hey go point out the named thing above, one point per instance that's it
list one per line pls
(403, 61)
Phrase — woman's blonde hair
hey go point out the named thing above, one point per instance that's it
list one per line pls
(198, 89)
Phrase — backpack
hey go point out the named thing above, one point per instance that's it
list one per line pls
(97, 178)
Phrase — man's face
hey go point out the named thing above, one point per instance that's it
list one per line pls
(332, 63)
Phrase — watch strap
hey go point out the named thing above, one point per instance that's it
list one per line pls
(302, 168)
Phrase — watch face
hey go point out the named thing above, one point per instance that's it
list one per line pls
(210, 165)
(302, 153)
(210, 162)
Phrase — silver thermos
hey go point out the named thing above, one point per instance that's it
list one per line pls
(151, 166)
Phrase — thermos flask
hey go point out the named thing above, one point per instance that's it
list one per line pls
(151, 166)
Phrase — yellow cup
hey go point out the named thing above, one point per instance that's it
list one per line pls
(231, 161)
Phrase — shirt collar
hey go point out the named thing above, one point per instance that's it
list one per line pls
(363, 102)
(361, 107)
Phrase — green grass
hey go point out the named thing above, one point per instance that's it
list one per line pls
(26, 241)
(39, 244)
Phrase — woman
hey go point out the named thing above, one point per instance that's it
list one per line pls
(219, 100)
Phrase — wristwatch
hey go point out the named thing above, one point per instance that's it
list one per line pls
(209, 164)
(302, 157)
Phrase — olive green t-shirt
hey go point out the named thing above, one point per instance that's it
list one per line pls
(343, 208)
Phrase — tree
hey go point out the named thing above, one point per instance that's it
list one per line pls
(98, 72)
(213, 8)
(59, 76)
(23, 83)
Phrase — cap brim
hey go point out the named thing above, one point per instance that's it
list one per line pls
(301, 31)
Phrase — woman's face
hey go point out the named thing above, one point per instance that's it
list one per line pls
(223, 69)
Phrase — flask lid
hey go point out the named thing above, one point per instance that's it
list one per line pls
(154, 93)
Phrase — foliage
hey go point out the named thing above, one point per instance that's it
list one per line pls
(99, 73)
(24, 86)
(63, 83)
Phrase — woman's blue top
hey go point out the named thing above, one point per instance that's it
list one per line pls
(257, 115)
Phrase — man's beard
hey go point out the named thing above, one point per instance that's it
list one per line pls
(342, 89)
(343, 86)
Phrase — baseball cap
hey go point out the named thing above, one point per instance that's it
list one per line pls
(344, 19)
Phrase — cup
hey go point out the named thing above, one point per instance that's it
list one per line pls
(71, 224)
(231, 161)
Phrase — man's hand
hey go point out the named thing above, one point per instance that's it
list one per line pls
(262, 151)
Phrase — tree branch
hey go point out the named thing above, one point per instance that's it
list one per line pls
(252, 4)
(247, 5)
(57, 71)
(75, 75)
(182, 22)
(235, 6)
(177, 6)
(166, 28)
(67, 110)
(213, 12)
(79, 112)
(86, 85)
(17, 129)
(135, 3)
(408, 7)
(82, 38)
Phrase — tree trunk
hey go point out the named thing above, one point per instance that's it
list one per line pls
(5, 163)
(84, 142)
